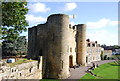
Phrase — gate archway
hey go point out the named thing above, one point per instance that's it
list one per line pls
(70, 61)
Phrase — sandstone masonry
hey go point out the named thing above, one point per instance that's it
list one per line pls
(30, 70)
(60, 44)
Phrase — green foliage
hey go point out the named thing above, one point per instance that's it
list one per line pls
(7, 48)
(19, 46)
(116, 46)
(0, 33)
(108, 58)
(102, 56)
(105, 57)
(13, 19)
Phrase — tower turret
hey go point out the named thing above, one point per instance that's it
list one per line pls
(57, 55)
(81, 44)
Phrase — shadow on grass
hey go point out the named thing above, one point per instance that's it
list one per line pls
(114, 65)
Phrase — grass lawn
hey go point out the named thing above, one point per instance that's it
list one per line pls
(105, 71)
(49, 80)
(19, 62)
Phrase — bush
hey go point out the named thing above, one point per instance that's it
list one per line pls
(102, 56)
(105, 57)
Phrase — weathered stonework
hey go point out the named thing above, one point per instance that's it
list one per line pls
(60, 44)
(81, 44)
(56, 42)
(30, 70)
(0, 52)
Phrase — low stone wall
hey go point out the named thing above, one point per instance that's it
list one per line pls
(30, 70)
(0, 52)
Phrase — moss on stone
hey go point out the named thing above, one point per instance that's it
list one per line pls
(20, 62)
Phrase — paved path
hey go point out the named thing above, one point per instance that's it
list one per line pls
(77, 73)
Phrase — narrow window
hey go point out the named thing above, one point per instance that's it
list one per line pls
(93, 45)
(62, 64)
(73, 27)
(88, 45)
(20, 74)
(70, 49)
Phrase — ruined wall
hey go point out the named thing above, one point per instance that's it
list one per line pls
(81, 44)
(30, 70)
(57, 54)
(0, 52)
(37, 44)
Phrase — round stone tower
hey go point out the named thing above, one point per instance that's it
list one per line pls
(81, 44)
(57, 62)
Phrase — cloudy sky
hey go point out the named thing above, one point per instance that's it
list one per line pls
(101, 18)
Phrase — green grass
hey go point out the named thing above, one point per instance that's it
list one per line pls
(20, 62)
(50, 80)
(105, 71)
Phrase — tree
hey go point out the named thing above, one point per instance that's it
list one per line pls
(105, 57)
(102, 56)
(0, 34)
(19, 46)
(7, 48)
(116, 46)
(13, 19)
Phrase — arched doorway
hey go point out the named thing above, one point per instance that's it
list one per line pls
(70, 61)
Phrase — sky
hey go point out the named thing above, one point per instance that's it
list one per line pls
(101, 18)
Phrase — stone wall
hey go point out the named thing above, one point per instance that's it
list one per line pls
(30, 70)
(108, 53)
(72, 45)
(0, 52)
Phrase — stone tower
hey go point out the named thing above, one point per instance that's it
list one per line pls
(57, 56)
(59, 44)
(81, 44)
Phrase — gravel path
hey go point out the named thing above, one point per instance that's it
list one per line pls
(77, 73)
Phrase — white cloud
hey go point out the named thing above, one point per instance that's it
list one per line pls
(113, 23)
(38, 7)
(70, 6)
(101, 23)
(103, 37)
(72, 23)
(34, 19)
